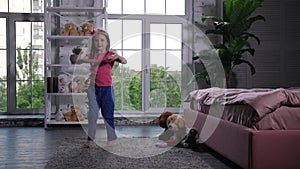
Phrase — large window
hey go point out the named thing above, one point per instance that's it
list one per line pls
(149, 36)
(21, 53)
(143, 31)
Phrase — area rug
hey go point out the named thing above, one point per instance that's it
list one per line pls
(128, 153)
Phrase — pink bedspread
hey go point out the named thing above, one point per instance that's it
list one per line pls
(276, 108)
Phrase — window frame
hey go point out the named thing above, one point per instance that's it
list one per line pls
(186, 53)
(11, 62)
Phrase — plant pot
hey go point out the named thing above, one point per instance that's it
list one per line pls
(73, 58)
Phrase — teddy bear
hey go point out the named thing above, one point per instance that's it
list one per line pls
(70, 29)
(86, 29)
(74, 114)
(176, 125)
(78, 85)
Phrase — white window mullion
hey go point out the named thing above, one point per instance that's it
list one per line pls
(146, 67)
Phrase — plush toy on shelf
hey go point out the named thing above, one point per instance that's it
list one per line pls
(70, 29)
(63, 82)
(74, 115)
(78, 84)
(86, 29)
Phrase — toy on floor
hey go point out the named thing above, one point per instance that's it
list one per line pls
(191, 141)
(162, 122)
(161, 144)
(174, 126)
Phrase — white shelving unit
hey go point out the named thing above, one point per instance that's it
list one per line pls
(58, 48)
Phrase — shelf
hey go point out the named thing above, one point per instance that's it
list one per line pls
(74, 9)
(81, 66)
(100, 121)
(69, 40)
(60, 37)
(66, 94)
(58, 48)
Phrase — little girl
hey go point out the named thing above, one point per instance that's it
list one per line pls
(101, 93)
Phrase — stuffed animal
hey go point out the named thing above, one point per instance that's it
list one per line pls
(70, 29)
(78, 85)
(162, 122)
(191, 141)
(74, 114)
(176, 124)
(63, 82)
(59, 116)
(86, 29)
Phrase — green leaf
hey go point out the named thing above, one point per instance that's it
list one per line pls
(214, 18)
(237, 44)
(198, 76)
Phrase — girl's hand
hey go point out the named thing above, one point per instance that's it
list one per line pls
(113, 57)
(119, 58)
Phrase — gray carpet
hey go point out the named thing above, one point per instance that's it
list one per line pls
(128, 153)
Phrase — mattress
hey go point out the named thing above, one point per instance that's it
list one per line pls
(238, 113)
(261, 109)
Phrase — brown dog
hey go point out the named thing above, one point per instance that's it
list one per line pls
(166, 134)
(163, 119)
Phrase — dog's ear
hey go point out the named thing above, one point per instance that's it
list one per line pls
(165, 115)
(163, 119)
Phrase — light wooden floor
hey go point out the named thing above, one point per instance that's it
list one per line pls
(32, 147)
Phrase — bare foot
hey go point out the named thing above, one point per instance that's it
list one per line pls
(109, 143)
(88, 144)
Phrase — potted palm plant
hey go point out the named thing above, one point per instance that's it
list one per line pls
(234, 30)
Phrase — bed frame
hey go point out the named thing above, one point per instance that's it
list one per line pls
(249, 148)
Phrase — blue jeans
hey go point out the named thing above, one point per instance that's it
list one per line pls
(101, 98)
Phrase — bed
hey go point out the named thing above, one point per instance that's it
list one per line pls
(256, 129)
